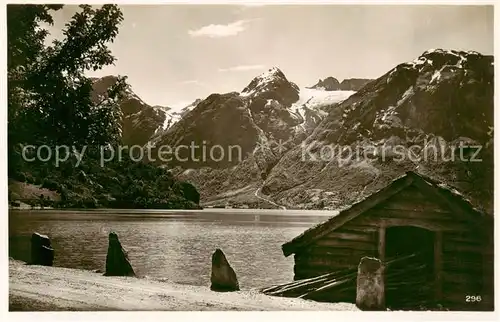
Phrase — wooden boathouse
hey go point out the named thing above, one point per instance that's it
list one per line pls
(449, 242)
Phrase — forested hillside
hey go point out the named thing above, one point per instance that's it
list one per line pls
(51, 103)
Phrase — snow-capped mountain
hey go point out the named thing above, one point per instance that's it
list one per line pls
(290, 113)
(268, 117)
(175, 113)
(141, 122)
(272, 82)
(441, 100)
(277, 110)
(312, 103)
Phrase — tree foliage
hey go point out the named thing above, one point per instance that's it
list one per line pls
(50, 99)
(52, 102)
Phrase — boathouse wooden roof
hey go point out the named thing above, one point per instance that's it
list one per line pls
(449, 196)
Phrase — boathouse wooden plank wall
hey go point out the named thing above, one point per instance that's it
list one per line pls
(463, 246)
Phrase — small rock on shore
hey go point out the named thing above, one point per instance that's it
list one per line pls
(223, 277)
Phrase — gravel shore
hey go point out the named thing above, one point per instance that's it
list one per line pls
(39, 288)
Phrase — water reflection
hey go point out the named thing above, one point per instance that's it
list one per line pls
(172, 245)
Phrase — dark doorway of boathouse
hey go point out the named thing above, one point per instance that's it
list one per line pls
(410, 280)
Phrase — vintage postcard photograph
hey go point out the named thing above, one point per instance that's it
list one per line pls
(250, 157)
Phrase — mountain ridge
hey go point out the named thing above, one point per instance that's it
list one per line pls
(269, 116)
(431, 98)
(349, 84)
(442, 98)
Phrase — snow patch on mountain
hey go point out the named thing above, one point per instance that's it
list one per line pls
(406, 95)
(436, 76)
(270, 81)
(315, 99)
(458, 58)
(174, 113)
(260, 82)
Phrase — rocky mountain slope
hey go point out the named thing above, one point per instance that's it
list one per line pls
(140, 121)
(92, 183)
(322, 148)
(332, 84)
(270, 116)
(410, 118)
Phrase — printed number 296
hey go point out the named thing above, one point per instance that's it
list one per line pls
(473, 298)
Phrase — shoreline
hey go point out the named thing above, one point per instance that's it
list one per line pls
(152, 212)
(42, 288)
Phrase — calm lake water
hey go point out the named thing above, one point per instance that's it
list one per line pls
(174, 245)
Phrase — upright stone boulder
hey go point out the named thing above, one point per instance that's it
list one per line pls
(117, 262)
(370, 290)
(42, 252)
(223, 277)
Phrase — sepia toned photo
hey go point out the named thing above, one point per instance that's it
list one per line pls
(284, 157)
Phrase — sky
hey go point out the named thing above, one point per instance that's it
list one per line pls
(174, 54)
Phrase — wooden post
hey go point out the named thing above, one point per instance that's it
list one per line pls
(438, 265)
(370, 286)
